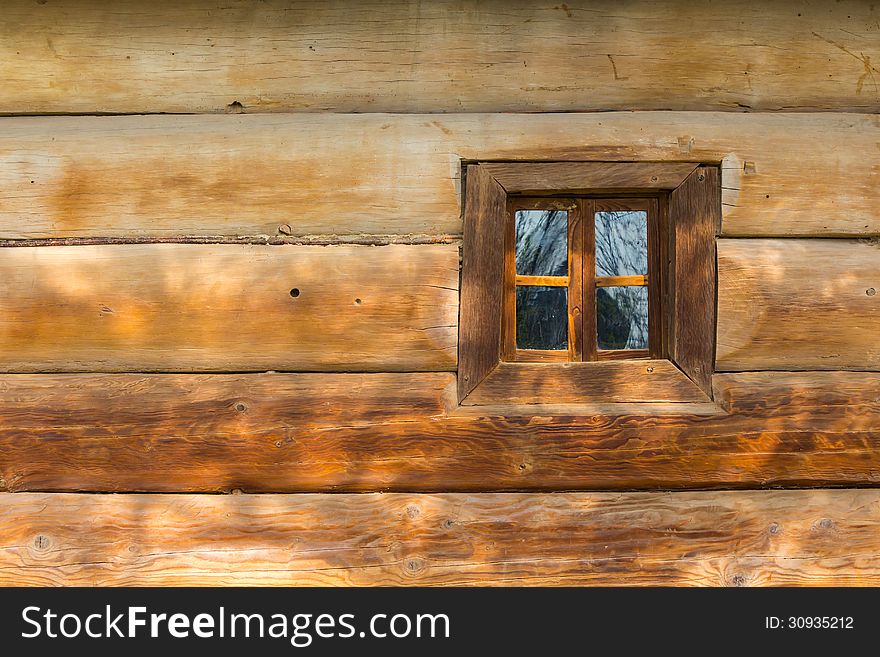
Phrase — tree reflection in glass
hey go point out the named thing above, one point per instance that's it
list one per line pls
(622, 317)
(622, 243)
(541, 317)
(541, 242)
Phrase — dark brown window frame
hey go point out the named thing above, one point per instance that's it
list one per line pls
(681, 366)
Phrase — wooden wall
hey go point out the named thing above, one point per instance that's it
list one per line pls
(84, 56)
(246, 280)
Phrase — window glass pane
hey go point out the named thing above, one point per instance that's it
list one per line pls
(541, 317)
(622, 243)
(622, 317)
(541, 242)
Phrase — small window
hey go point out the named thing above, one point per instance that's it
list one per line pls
(582, 279)
(588, 283)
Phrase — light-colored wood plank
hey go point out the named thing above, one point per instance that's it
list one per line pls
(184, 307)
(223, 175)
(363, 433)
(798, 305)
(598, 382)
(709, 538)
(787, 174)
(407, 56)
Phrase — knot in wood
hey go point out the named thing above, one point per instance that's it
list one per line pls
(739, 580)
(825, 523)
(413, 565)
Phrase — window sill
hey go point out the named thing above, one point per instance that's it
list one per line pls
(648, 410)
(597, 383)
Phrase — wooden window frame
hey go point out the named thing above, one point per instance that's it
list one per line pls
(681, 356)
(581, 279)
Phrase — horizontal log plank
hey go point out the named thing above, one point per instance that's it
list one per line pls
(631, 381)
(373, 56)
(733, 538)
(798, 305)
(765, 393)
(222, 404)
(348, 432)
(346, 175)
(173, 307)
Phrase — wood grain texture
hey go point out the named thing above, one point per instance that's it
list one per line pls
(223, 404)
(798, 305)
(482, 279)
(346, 175)
(734, 538)
(631, 381)
(173, 307)
(694, 213)
(439, 56)
(587, 177)
(303, 432)
(767, 392)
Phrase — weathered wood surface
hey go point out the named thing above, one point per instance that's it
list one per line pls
(798, 305)
(634, 381)
(304, 432)
(585, 177)
(183, 307)
(482, 279)
(161, 176)
(223, 404)
(695, 218)
(210, 56)
(769, 393)
(733, 538)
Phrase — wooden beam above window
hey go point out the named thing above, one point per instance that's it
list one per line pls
(587, 177)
